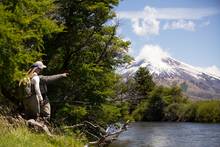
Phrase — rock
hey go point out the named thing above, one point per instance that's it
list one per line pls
(39, 126)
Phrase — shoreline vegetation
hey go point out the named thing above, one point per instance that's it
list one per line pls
(205, 111)
(79, 38)
(169, 104)
(20, 136)
(15, 134)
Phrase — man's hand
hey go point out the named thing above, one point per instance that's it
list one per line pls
(65, 74)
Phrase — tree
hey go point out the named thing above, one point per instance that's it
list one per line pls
(156, 105)
(89, 50)
(144, 82)
(23, 25)
(75, 37)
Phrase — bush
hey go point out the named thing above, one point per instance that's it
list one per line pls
(124, 110)
(180, 112)
(141, 110)
(171, 112)
(189, 112)
(201, 111)
(108, 114)
(156, 105)
(208, 111)
(73, 114)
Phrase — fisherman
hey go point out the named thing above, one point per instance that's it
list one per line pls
(37, 103)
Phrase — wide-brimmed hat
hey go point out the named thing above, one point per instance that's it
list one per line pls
(39, 64)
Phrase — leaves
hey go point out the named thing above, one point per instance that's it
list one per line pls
(23, 26)
(68, 35)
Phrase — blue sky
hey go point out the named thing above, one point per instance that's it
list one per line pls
(187, 30)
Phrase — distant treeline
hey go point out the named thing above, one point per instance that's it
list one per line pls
(169, 104)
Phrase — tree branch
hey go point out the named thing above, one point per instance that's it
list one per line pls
(105, 50)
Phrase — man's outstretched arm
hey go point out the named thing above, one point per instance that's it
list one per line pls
(52, 78)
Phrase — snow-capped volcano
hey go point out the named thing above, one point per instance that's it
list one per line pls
(168, 71)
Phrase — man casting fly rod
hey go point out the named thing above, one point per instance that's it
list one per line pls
(35, 100)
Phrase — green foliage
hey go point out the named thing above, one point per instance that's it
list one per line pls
(144, 81)
(173, 95)
(201, 111)
(152, 108)
(109, 114)
(137, 90)
(189, 112)
(71, 113)
(124, 110)
(156, 105)
(23, 25)
(70, 36)
(171, 112)
(141, 110)
(89, 50)
(179, 112)
(162, 103)
(208, 111)
(21, 137)
(94, 83)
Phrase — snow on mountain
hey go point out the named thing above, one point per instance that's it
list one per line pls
(168, 71)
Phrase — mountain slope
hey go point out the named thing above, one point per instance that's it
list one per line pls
(167, 71)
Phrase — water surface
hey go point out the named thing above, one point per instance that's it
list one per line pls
(166, 134)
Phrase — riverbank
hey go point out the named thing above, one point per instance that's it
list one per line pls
(19, 135)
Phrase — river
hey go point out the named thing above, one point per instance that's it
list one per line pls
(168, 134)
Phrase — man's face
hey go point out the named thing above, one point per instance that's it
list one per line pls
(38, 70)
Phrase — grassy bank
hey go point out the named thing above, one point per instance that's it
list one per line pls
(22, 137)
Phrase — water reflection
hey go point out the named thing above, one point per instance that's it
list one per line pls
(147, 134)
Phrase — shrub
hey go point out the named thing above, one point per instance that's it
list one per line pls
(208, 111)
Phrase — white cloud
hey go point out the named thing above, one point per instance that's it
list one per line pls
(147, 22)
(171, 13)
(185, 13)
(213, 70)
(154, 54)
(180, 24)
(148, 25)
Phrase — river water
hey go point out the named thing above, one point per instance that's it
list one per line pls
(166, 134)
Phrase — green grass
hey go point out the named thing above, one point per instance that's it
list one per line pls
(23, 137)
